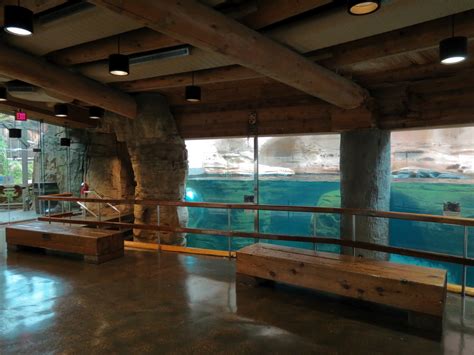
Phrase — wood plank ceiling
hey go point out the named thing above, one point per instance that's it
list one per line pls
(398, 65)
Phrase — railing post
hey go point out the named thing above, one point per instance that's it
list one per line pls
(229, 238)
(315, 246)
(464, 268)
(49, 211)
(99, 214)
(353, 230)
(158, 224)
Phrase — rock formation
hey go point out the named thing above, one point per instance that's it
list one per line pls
(159, 160)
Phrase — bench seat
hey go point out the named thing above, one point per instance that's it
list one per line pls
(96, 245)
(420, 290)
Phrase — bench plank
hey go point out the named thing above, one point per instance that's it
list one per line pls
(406, 287)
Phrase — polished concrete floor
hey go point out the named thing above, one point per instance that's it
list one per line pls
(170, 303)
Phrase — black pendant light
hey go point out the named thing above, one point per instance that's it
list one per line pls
(14, 133)
(361, 7)
(192, 92)
(3, 94)
(119, 63)
(18, 20)
(60, 110)
(454, 49)
(96, 113)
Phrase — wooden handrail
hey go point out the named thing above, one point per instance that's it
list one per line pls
(468, 222)
(321, 240)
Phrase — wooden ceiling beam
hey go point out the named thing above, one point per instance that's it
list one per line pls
(202, 27)
(272, 11)
(407, 40)
(267, 13)
(272, 120)
(39, 72)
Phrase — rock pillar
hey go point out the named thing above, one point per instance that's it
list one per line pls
(365, 183)
(159, 160)
(108, 171)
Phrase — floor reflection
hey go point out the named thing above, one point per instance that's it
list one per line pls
(27, 302)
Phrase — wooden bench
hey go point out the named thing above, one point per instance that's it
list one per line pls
(96, 245)
(420, 291)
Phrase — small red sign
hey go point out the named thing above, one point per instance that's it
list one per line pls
(21, 116)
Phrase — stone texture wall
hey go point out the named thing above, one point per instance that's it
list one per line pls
(108, 169)
(365, 183)
(55, 159)
(159, 160)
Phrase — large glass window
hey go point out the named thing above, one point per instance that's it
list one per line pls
(296, 170)
(432, 172)
(220, 170)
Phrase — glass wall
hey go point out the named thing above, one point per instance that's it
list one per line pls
(432, 171)
(291, 171)
(220, 170)
(35, 164)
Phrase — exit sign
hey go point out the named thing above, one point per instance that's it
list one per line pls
(20, 116)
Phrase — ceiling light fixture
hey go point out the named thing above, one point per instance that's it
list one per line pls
(453, 50)
(360, 7)
(18, 20)
(3, 94)
(60, 110)
(96, 113)
(119, 63)
(192, 92)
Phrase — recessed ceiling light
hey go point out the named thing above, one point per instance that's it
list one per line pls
(359, 7)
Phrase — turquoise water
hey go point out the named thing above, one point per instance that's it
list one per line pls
(416, 197)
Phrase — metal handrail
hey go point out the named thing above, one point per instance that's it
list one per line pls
(83, 205)
(100, 196)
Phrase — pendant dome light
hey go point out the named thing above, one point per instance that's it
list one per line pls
(119, 64)
(453, 50)
(96, 113)
(192, 92)
(361, 7)
(18, 20)
(60, 110)
(3, 94)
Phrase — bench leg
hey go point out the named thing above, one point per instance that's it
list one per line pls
(98, 259)
(253, 281)
(426, 322)
(13, 247)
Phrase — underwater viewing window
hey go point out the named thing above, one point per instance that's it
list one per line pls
(432, 173)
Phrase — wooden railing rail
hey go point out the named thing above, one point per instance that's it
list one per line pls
(469, 222)
(320, 240)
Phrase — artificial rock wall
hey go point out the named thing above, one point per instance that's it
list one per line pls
(365, 183)
(159, 160)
